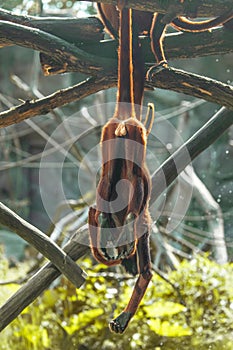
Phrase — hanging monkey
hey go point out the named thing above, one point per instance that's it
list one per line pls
(119, 224)
(149, 23)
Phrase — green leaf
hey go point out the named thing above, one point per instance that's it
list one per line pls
(163, 308)
(169, 330)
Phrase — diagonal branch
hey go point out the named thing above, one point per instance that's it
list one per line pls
(169, 78)
(202, 139)
(66, 54)
(60, 98)
(43, 244)
(177, 45)
(88, 34)
(74, 30)
(194, 85)
(40, 281)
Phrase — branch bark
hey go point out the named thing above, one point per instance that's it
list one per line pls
(60, 98)
(192, 8)
(169, 78)
(39, 282)
(74, 30)
(177, 46)
(43, 244)
(194, 85)
(67, 55)
(88, 32)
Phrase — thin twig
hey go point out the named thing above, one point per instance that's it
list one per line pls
(60, 98)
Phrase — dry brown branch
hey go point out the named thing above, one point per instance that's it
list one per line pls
(197, 8)
(201, 140)
(40, 281)
(194, 85)
(74, 30)
(44, 105)
(43, 244)
(170, 78)
(66, 54)
(88, 32)
(177, 45)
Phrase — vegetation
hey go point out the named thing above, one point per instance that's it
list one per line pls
(197, 315)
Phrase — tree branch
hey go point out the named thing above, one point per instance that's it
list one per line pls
(177, 46)
(43, 244)
(88, 33)
(60, 98)
(194, 85)
(189, 45)
(67, 55)
(192, 8)
(169, 78)
(40, 281)
(74, 30)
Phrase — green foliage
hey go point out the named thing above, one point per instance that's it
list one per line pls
(196, 315)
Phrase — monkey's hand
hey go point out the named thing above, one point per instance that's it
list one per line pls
(120, 323)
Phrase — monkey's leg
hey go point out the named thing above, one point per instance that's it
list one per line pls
(156, 34)
(120, 323)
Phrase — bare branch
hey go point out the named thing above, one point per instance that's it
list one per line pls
(40, 281)
(177, 46)
(194, 85)
(189, 45)
(43, 244)
(169, 78)
(74, 30)
(60, 98)
(66, 54)
(192, 8)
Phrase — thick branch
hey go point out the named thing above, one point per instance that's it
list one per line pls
(43, 244)
(73, 30)
(177, 45)
(40, 282)
(88, 32)
(67, 55)
(194, 85)
(177, 80)
(192, 8)
(189, 45)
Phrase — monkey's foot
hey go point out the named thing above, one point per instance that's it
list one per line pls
(155, 69)
(120, 323)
